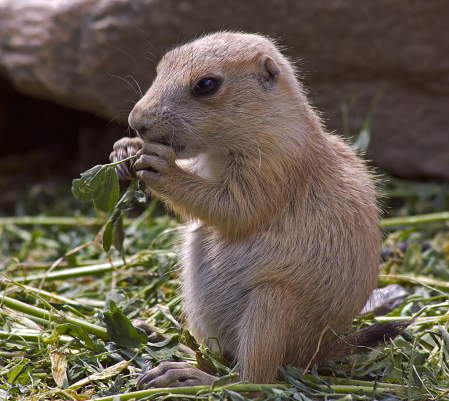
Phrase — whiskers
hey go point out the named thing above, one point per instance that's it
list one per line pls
(121, 50)
(139, 93)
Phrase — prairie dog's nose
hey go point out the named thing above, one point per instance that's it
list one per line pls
(136, 118)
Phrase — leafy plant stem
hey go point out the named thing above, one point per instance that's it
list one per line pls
(363, 383)
(413, 220)
(62, 318)
(241, 388)
(51, 295)
(426, 281)
(120, 161)
(190, 390)
(29, 338)
(74, 272)
(57, 221)
(144, 216)
(80, 220)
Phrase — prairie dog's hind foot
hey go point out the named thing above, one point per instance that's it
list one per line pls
(171, 374)
(174, 374)
(123, 149)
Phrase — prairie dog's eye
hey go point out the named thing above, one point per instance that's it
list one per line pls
(206, 86)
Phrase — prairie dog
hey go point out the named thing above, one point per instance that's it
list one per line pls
(281, 244)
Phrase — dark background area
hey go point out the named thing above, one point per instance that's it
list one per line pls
(47, 145)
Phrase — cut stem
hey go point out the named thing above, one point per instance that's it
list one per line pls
(51, 316)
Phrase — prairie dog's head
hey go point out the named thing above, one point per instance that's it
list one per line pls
(218, 93)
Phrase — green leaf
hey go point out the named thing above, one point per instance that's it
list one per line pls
(405, 346)
(140, 196)
(233, 395)
(89, 185)
(295, 377)
(113, 233)
(107, 237)
(118, 234)
(302, 397)
(76, 332)
(116, 387)
(445, 337)
(430, 375)
(165, 310)
(413, 258)
(109, 192)
(165, 349)
(120, 329)
(190, 341)
(21, 373)
(374, 367)
(416, 377)
(363, 140)
(223, 380)
(315, 374)
(421, 358)
(438, 268)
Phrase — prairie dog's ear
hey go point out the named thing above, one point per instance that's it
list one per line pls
(270, 71)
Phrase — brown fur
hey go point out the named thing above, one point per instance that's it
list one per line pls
(282, 241)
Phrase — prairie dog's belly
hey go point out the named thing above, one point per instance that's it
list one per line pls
(218, 277)
(215, 288)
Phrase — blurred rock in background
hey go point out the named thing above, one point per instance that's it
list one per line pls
(98, 57)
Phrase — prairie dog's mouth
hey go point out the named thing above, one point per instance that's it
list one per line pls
(177, 145)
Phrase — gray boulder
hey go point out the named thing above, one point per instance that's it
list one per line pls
(100, 56)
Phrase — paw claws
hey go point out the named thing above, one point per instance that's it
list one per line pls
(123, 149)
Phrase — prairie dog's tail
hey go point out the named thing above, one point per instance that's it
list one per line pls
(357, 341)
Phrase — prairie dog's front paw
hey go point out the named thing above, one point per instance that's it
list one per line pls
(123, 149)
(153, 163)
